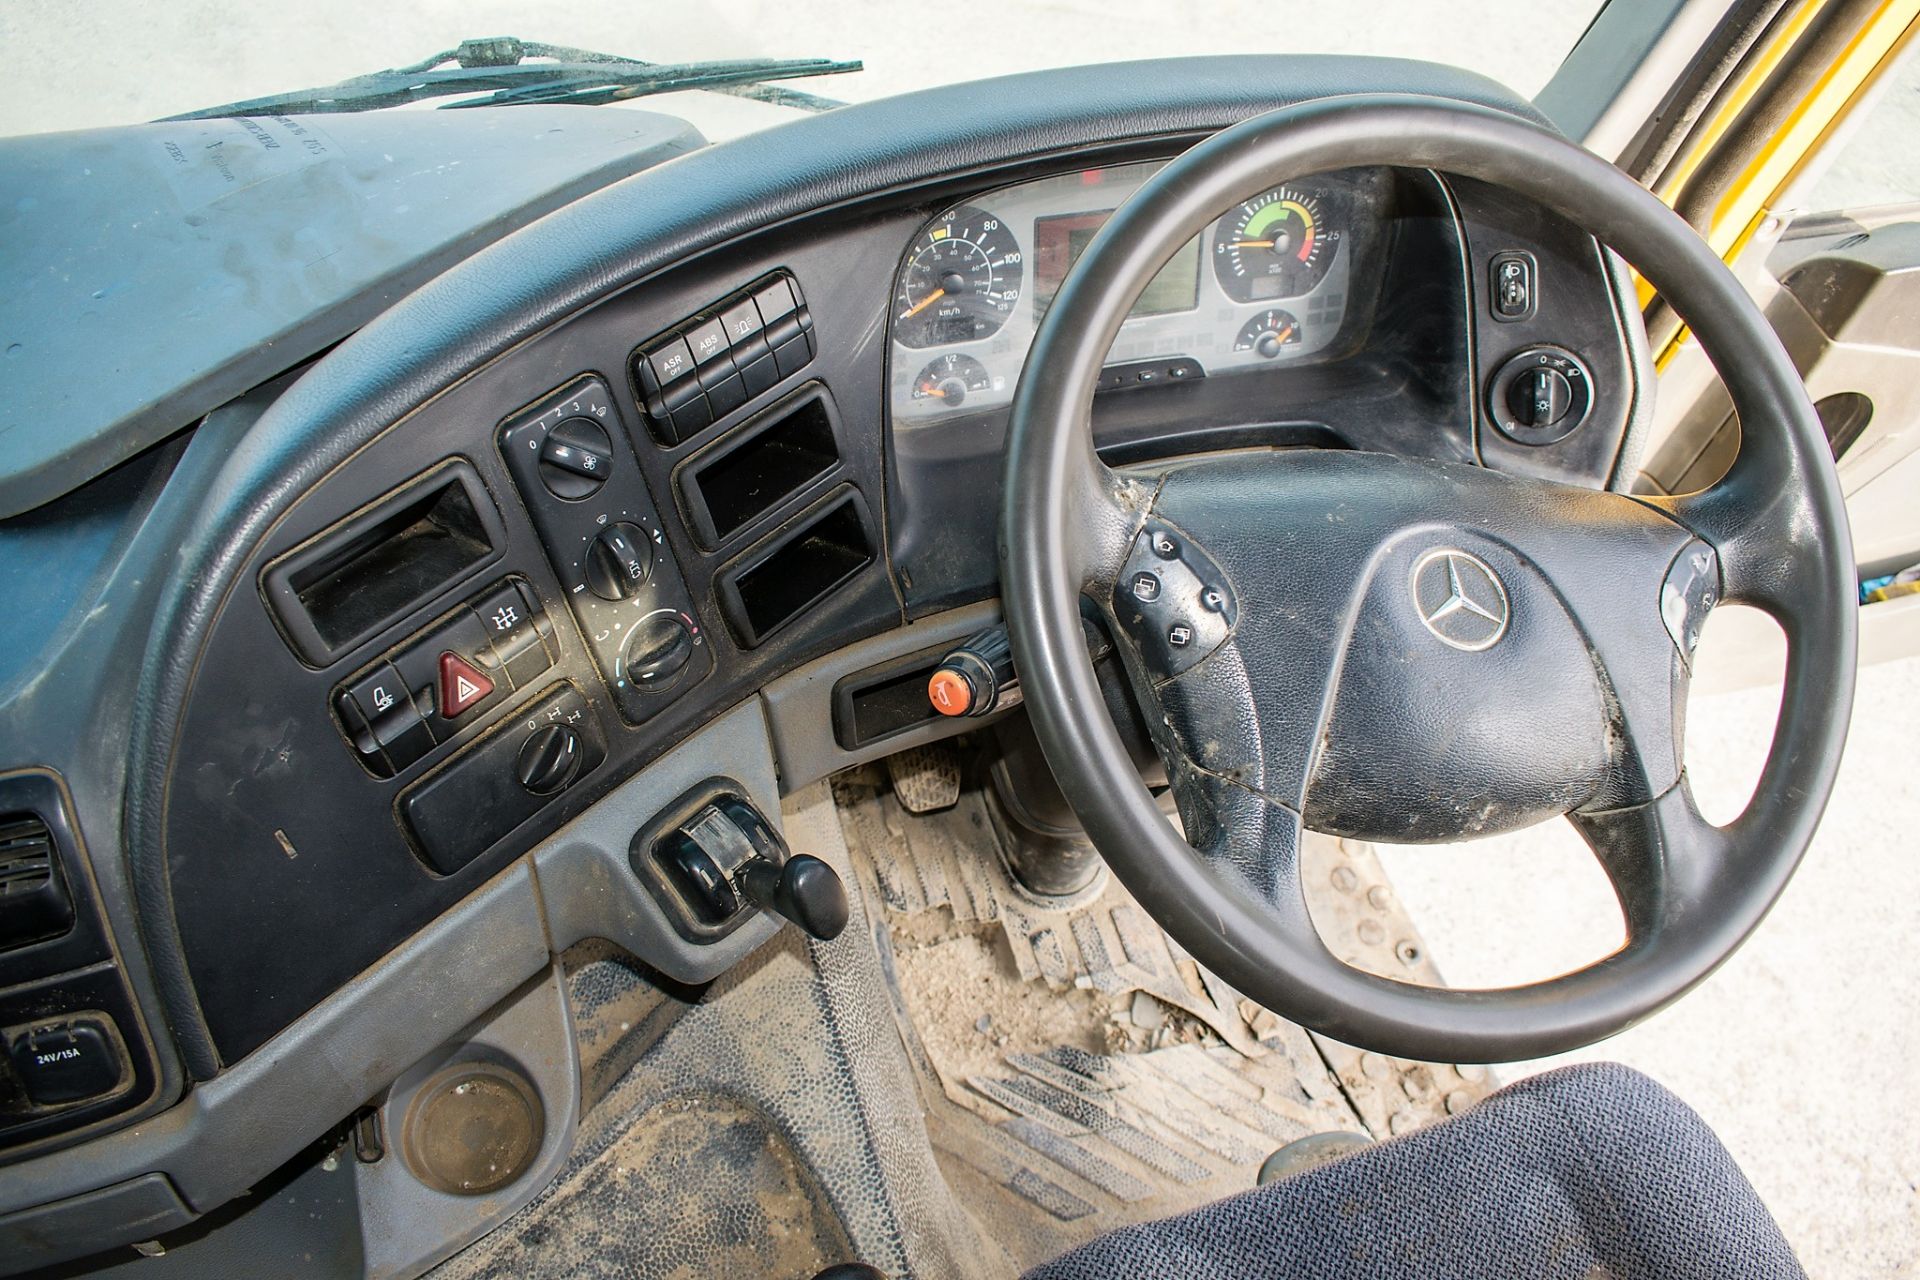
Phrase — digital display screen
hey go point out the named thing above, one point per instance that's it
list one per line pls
(1059, 241)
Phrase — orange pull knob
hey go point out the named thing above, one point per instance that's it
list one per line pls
(950, 693)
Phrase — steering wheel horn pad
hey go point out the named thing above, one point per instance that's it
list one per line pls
(1411, 651)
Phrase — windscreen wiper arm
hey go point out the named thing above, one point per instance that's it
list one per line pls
(498, 70)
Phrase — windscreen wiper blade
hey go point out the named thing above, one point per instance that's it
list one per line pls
(498, 70)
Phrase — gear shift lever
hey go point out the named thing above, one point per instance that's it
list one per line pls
(805, 890)
(718, 853)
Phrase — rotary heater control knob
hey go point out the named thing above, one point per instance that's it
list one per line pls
(618, 561)
(658, 650)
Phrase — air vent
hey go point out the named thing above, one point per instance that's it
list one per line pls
(34, 905)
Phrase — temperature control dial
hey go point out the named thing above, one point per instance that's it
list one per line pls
(618, 562)
(658, 650)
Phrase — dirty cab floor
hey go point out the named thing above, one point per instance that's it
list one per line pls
(1080, 1070)
(967, 1083)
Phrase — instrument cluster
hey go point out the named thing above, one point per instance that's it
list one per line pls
(1268, 283)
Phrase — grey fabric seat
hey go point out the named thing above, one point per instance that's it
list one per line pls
(1585, 1173)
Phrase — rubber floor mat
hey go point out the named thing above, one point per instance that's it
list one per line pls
(695, 1187)
(1081, 1070)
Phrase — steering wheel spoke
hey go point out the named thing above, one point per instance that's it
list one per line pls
(1664, 860)
(1760, 523)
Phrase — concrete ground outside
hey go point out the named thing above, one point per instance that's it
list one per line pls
(1803, 1051)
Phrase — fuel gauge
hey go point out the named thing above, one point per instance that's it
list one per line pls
(1269, 333)
(951, 378)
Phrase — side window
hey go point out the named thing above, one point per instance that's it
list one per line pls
(1876, 161)
(1848, 269)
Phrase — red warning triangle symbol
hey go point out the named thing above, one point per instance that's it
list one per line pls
(460, 685)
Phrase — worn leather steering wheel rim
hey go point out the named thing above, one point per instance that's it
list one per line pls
(1772, 534)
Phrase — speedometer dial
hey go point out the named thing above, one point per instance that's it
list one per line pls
(959, 281)
(1277, 245)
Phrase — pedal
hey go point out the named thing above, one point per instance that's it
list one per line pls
(926, 779)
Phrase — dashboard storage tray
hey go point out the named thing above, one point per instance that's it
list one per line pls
(780, 579)
(352, 580)
(740, 480)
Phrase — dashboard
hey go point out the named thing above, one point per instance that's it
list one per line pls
(1269, 284)
(373, 676)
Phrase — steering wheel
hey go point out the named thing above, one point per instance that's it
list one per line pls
(1416, 651)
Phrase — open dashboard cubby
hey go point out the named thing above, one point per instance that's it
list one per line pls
(779, 454)
(783, 577)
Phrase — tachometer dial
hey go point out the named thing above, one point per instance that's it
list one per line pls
(1277, 245)
(950, 378)
(960, 280)
(1269, 333)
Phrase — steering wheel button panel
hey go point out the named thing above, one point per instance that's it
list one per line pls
(1691, 589)
(1173, 603)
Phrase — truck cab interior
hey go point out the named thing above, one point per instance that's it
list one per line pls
(583, 699)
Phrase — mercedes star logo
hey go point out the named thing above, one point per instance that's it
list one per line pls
(1460, 599)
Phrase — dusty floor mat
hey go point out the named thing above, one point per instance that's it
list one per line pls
(766, 1129)
(1080, 1070)
(696, 1186)
(664, 1183)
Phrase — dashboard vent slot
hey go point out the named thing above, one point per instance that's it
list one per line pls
(34, 905)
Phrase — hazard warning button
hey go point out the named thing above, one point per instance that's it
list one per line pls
(461, 685)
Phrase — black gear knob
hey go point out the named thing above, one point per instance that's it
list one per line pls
(804, 889)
